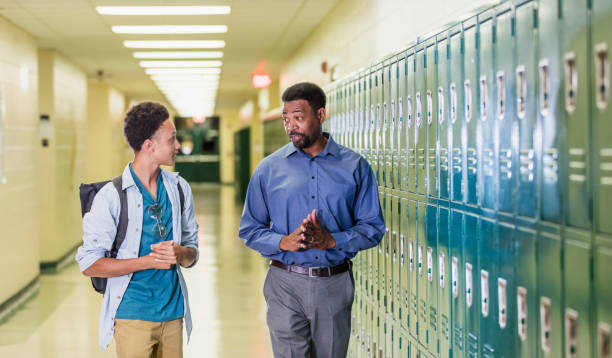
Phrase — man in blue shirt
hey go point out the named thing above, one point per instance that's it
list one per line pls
(146, 297)
(310, 207)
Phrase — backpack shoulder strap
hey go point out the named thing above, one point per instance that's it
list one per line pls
(181, 196)
(123, 217)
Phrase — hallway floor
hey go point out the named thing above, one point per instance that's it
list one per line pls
(225, 290)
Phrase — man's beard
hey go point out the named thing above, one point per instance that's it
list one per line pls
(304, 141)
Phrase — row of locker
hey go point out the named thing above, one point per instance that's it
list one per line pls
(492, 146)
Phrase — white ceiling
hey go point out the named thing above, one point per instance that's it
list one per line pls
(258, 30)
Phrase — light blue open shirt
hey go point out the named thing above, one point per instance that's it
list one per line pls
(100, 227)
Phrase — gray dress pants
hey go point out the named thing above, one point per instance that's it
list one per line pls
(309, 316)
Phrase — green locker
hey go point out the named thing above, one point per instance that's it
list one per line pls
(396, 240)
(472, 284)
(410, 121)
(526, 298)
(369, 119)
(404, 311)
(361, 116)
(601, 39)
(506, 128)
(380, 130)
(402, 131)
(385, 149)
(421, 252)
(443, 118)
(574, 47)
(603, 295)
(488, 156)
(388, 257)
(383, 252)
(455, 108)
(550, 312)
(431, 275)
(377, 259)
(420, 125)
(487, 274)
(470, 122)
(577, 298)
(457, 284)
(550, 109)
(505, 290)
(375, 124)
(444, 283)
(413, 319)
(350, 113)
(526, 108)
(431, 63)
(392, 153)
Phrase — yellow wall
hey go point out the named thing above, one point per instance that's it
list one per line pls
(357, 32)
(19, 261)
(63, 97)
(229, 123)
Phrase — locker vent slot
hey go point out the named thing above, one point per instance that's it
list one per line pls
(602, 73)
(501, 95)
(521, 92)
(571, 82)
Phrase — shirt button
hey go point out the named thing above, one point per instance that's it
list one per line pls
(138, 205)
(312, 159)
(316, 257)
(313, 196)
(136, 229)
(118, 297)
(313, 177)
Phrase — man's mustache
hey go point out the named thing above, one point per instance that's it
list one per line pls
(296, 133)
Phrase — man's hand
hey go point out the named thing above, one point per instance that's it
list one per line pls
(166, 252)
(294, 241)
(316, 236)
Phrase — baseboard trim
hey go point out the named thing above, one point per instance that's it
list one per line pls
(13, 303)
(59, 264)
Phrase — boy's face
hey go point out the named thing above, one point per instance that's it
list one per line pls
(165, 145)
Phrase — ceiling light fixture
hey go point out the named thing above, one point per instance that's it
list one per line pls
(163, 10)
(182, 71)
(175, 44)
(180, 64)
(170, 29)
(177, 54)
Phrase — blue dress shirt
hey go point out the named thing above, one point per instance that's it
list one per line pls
(289, 183)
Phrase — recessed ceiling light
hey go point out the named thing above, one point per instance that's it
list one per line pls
(163, 10)
(170, 29)
(175, 44)
(179, 54)
(180, 64)
(181, 71)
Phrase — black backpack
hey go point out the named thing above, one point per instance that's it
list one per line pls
(87, 192)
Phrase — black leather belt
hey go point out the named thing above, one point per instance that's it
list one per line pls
(314, 271)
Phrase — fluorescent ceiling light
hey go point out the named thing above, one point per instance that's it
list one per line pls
(163, 10)
(178, 54)
(184, 78)
(181, 71)
(170, 29)
(180, 64)
(175, 44)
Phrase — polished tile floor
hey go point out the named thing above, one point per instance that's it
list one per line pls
(225, 291)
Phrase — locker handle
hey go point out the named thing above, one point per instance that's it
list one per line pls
(455, 276)
(468, 100)
(603, 340)
(408, 113)
(571, 82)
(602, 72)
(400, 111)
(453, 106)
(429, 107)
(394, 243)
(521, 302)
(440, 105)
(402, 238)
(430, 264)
(571, 333)
(521, 89)
(468, 284)
(484, 292)
(501, 95)
(419, 110)
(441, 269)
(483, 98)
(545, 324)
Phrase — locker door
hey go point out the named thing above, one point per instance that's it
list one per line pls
(487, 165)
(603, 294)
(600, 80)
(390, 249)
(432, 182)
(421, 252)
(457, 276)
(526, 108)
(362, 115)
(577, 298)
(525, 293)
(505, 291)
(550, 109)
(431, 276)
(472, 284)
(420, 127)
(487, 277)
(404, 311)
(410, 122)
(455, 108)
(575, 60)
(402, 125)
(443, 117)
(392, 159)
(385, 131)
(396, 239)
(550, 312)
(376, 111)
(444, 283)
(470, 88)
(369, 119)
(412, 266)
(384, 253)
(377, 258)
(505, 111)
(353, 113)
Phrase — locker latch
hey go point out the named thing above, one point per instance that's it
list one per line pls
(502, 302)
(602, 73)
(455, 276)
(521, 302)
(420, 258)
(402, 250)
(603, 340)
(429, 264)
(571, 82)
(483, 98)
(484, 292)
(419, 111)
(468, 100)
(453, 104)
(571, 333)
(501, 95)
(521, 92)
(441, 269)
(468, 284)
(440, 105)
(545, 323)
(411, 256)
(544, 87)
(429, 108)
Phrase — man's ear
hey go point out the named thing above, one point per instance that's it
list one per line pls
(321, 115)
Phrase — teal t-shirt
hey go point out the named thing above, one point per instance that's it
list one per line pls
(153, 295)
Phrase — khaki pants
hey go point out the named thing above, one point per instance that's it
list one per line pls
(145, 339)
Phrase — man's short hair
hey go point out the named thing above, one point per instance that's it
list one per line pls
(142, 121)
(306, 91)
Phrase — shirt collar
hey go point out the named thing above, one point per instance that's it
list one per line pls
(127, 180)
(330, 148)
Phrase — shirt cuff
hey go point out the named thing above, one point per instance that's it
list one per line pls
(274, 243)
(342, 241)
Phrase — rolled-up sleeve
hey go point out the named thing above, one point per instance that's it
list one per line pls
(369, 225)
(99, 227)
(255, 222)
(189, 224)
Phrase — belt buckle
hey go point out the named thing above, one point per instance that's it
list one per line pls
(310, 269)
